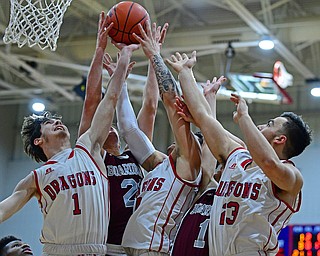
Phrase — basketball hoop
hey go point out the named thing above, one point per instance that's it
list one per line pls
(36, 22)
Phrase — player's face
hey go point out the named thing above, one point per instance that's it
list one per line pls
(17, 248)
(54, 127)
(272, 128)
(113, 138)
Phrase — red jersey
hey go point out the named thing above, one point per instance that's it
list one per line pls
(192, 236)
(125, 176)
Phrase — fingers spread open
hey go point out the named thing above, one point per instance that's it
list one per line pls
(178, 56)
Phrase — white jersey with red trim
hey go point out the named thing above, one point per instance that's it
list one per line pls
(74, 200)
(247, 216)
(162, 201)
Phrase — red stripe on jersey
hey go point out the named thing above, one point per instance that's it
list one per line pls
(38, 187)
(85, 150)
(275, 209)
(274, 187)
(50, 162)
(245, 163)
(190, 191)
(278, 217)
(71, 154)
(274, 248)
(269, 237)
(289, 216)
(169, 215)
(155, 224)
(106, 235)
(299, 202)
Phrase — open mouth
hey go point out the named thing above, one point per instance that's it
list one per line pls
(59, 128)
(27, 251)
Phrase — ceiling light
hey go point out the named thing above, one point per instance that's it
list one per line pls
(314, 83)
(315, 92)
(266, 43)
(38, 106)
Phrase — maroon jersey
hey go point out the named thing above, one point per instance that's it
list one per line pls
(192, 236)
(124, 175)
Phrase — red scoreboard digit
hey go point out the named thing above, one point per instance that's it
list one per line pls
(300, 240)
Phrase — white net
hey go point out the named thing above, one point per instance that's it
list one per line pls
(36, 22)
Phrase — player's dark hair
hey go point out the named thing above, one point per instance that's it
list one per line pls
(298, 134)
(31, 129)
(199, 135)
(5, 240)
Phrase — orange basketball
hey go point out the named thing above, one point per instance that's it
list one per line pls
(126, 16)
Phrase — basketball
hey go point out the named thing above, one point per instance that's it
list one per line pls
(126, 16)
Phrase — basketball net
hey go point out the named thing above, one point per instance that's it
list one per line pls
(36, 22)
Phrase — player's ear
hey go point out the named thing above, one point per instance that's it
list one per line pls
(37, 141)
(281, 139)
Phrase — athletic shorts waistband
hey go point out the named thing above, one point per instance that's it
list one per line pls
(75, 249)
(115, 250)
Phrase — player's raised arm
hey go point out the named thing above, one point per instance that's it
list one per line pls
(104, 114)
(215, 135)
(210, 90)
(208, 161)
(139, 144)
(187, 147)
(268, 156)
(94, 79)
(147, 114)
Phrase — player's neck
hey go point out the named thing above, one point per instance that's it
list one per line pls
(51, 149)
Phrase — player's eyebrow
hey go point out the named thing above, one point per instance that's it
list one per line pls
(270, 122)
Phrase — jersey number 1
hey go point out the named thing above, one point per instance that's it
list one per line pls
(200, 242)
(76, 208)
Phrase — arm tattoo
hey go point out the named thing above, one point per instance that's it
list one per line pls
(166, 81)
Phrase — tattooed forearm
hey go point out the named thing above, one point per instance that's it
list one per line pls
(166, 81)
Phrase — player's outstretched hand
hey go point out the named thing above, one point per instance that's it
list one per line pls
(182, 110)
(127, 49)
(181, 62)
(150, 39)
(110, 65)
(241, 107)
(214, 86)
(161, 34)
(121, 46)
(103, 31)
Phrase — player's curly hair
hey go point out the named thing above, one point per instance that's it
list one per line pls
(5, 240)
(31, 129)
(298, 132)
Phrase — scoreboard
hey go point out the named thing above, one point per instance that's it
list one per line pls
(299, 240)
